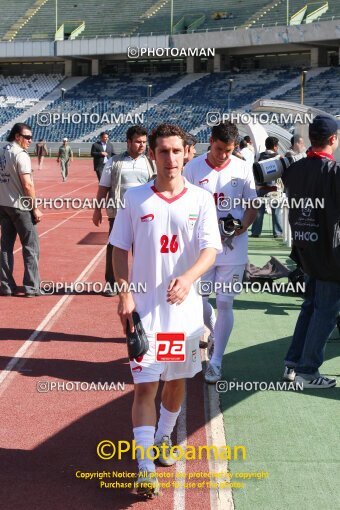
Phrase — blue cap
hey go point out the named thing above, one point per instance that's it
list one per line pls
(323, 126)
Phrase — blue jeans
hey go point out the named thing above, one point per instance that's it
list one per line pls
(256, 228)
(315, 323)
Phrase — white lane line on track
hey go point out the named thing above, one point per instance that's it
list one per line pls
(74, 190)
(39, 190)
(220, 499)
(46, 322)
(62, 222)
(53, 228)
(179, 493)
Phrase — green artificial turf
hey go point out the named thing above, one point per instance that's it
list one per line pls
(293, 436)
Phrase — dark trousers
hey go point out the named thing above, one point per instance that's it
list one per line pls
(109, 276)
(316, 321)
(99, 171)
(16, 222)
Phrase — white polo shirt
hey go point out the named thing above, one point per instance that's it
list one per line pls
(134, 173)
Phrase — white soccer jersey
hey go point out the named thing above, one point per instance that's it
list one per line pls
(233, 181)
(167, 237)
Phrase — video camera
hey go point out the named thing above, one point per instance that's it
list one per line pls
(271, 169)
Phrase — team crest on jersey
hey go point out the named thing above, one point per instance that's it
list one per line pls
(192, 220)
(203, 181)
(234, 182)
(147, 217)
(194, 355)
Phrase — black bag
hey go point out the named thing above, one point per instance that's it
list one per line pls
(137, 342)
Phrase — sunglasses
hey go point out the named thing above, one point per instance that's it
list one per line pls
(27, 137)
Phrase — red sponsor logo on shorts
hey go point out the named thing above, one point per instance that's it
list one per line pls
(147, 217)
(170, 347)
(203, 181)
(137, 369)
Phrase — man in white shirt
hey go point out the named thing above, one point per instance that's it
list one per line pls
(297, 147)
(230, 180)
(121, 172)
(249, 143)
(173, 227)
(246, 152)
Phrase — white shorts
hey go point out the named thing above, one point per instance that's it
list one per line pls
(150, 370)
(224, 281)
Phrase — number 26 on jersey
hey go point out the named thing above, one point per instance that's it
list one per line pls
(169, 245)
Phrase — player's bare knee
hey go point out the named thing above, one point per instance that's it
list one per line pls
(145, 391)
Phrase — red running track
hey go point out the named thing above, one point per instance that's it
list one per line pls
(46, 437)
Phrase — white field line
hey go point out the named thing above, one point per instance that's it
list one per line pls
(220, 499)
(46, 323)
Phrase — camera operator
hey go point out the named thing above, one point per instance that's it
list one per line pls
(272, 146)
(316, 237)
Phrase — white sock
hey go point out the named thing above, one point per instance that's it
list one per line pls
(209, 316)
(144, 436)
(223, 328)
(166, 423)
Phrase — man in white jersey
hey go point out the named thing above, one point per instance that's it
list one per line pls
(230, 181)
(173, 228)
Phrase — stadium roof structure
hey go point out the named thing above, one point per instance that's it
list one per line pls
(272, 105)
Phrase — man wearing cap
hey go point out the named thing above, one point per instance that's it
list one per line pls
(65, 155)
(316, 238)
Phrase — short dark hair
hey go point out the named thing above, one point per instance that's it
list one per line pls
(319, 140)
(271, 142)
(17, 129)
(190, 140)
(247, 139)
(225, 131)
(136, 130)
(103, 133)
(294, 139)
(243, 144)
(165, 130)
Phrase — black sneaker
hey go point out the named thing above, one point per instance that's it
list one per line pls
(7, 293)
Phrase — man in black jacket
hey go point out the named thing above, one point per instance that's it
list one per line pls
(315, 183)
(101, 152)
